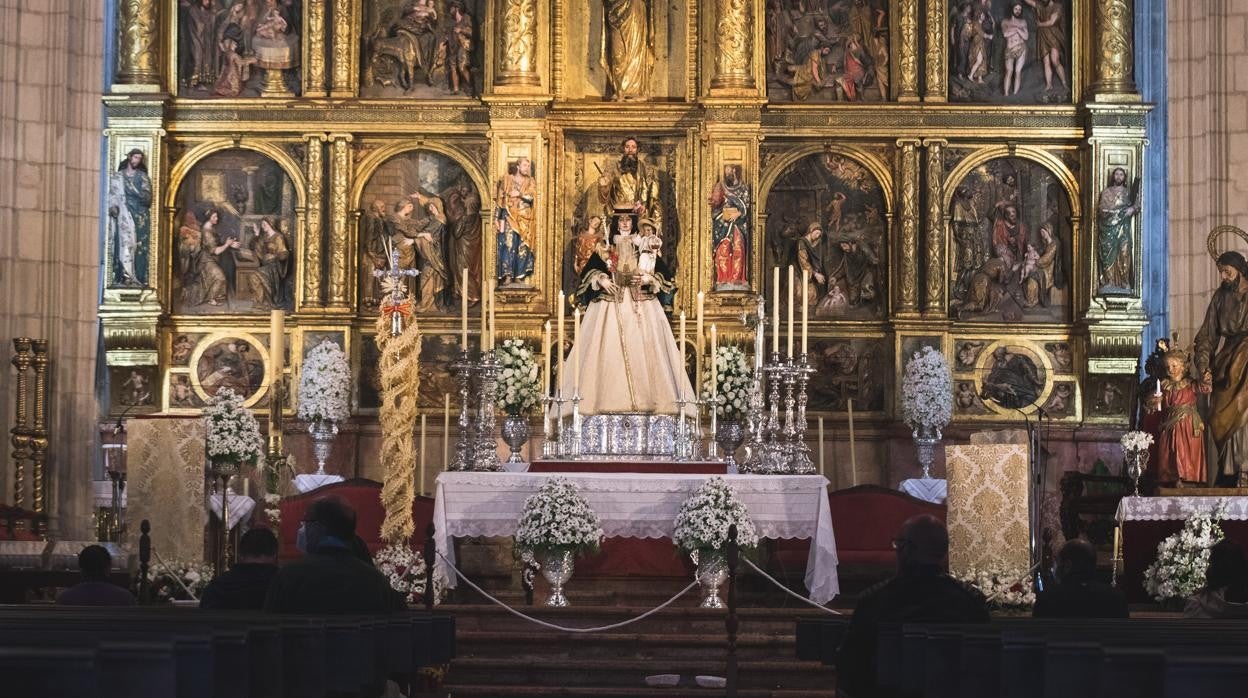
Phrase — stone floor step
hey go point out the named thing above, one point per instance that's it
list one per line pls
(455, 691)
(605, 673)
(542, 644)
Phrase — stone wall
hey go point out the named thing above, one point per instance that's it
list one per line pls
(51, 75)
(1208, 87)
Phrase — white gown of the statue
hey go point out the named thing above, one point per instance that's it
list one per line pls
(628, 357)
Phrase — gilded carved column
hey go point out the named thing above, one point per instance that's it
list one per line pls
(908, 51)
(908, 224)
(517, 43)
(21, 433)
(734, 44)
(345, 62)
(1114, 47)
(934, 89)
(314, 234)
(138, 46)
(314, 44)
(339, 219)
(39, 433)
(934, 232)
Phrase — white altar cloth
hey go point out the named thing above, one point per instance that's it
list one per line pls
(312, 481)
(632, 505)
(1179, 508)
(934, 490)
(241, 507)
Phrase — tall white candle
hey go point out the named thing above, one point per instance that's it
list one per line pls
(789, 346)
(422, 454)
(277, 345)
(714, 366)
(805, 305)
(853, 457)
(492, 327)
(446, 430)
(820, 421)
(559, 346)
(700, 342)
(485, 312)
(775, 310)
(576, 351)
(463, 310)
(682, 338)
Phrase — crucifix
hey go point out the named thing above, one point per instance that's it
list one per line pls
(392, 284)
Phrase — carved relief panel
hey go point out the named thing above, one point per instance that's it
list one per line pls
(828, 52)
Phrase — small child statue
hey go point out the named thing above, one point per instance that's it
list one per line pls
(649, 247)
(1179, 456)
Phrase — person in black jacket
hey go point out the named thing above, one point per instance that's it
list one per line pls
(329, 578)
(1077, 594)
(246, 584)
(920, 593)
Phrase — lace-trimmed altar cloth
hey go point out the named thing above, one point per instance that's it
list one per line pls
(1179, 508)
(631, 505)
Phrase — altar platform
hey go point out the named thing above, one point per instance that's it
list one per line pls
(627, 466)
(1145, 521)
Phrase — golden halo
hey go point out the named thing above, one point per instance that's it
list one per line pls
(1219, 232)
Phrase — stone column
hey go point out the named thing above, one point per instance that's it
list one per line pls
(908, 51)
(314, 32)
(907, 222)
(935, 60)
(934, 230)
(733, 39)
(138, 46)
(314, 238)
(340, 255)
(516, 53)
(345, 53)
(1114, 48)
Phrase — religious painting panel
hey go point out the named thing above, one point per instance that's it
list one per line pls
(133, 389)
(181, 392)
(422, 211)
(732, 230)
(1000, 377)
(1116, 209)
(237, 362)
(626, 50)
(1010, 51)
(827, 51)
(239, 48)
(1110, 397)
(129, 203)
(858, 369)
(422, 49)
(234, 244)
(622, 186)
(181, 345)
(1011, 244)
(826, 215)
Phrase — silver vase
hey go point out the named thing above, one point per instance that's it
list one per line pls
(323, 432)
(728, 436)
(711, 574)
(556, 566)
(925, 447)
(1135, 468)
(515, 435)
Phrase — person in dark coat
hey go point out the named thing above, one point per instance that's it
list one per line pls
(921, 592)
(329, 578)
(95, 590)
(1077, 594)
(246, 584)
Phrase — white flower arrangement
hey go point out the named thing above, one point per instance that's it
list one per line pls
(927, 391)
(192, 574)
(557, 518)
(735, 378)
(405, 569)
(325, 384)
(704, 517)
(1136, 441)
(519, 385)
(1011, 589)
(1183, 558)
(233, 432)
(273, 510)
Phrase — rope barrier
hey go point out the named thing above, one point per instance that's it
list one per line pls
(176, 578)
(561, 628)
(789, 591)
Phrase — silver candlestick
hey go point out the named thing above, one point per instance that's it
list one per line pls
(486, 451)
(463, 368)
(550, 446)
(802, 463)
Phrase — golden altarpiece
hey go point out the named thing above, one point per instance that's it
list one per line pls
(961, 174)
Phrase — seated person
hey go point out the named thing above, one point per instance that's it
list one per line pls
(329, 578)
(246, 584)
(920, 592)
(1077, 594)
(95, 590)
(1226, 585)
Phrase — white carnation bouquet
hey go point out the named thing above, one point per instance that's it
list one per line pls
(1183, 558)
(1136, 441)
(325, 384)
(233, 432)
(927, 392)
(172, 581)
(557, 518)
(1002, 588)
(704, 517)
(735, 378)
(519, 385)
(405, 568)
(273, 510)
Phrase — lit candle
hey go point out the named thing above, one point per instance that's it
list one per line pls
(576, 352)
(789, 347)
(422, 454)
(775, 310)
(853, 457)
(277, 341)
(820, 422)
(714, 366)
(446, 430)
(559, 347)
(463, 310)
(805, 306)
(492, 329)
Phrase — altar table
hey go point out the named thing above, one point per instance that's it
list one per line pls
(631, 505)
(1145, 521)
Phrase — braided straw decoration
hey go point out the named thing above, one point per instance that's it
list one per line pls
(400, 386)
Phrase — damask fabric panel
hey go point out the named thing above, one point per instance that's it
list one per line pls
(1179, 508)
(631, 505)
(165, 464)
(988, 524)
